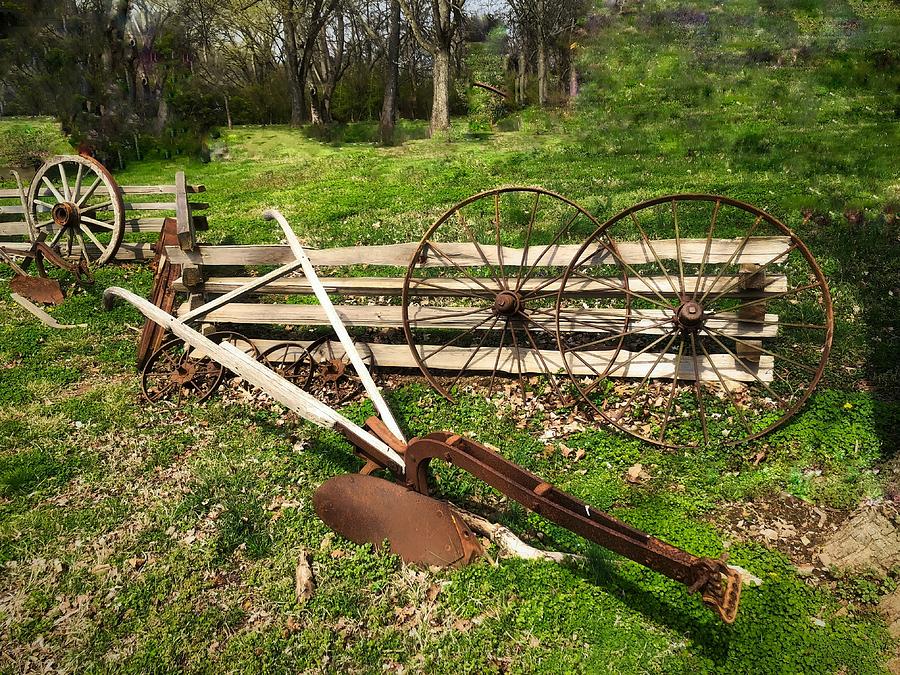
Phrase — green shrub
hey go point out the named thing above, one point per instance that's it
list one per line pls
(26, 145)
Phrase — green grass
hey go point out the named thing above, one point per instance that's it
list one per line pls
(134, 538)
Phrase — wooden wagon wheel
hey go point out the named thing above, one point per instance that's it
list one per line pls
(479, 292)
(74, 199)
(730, 325)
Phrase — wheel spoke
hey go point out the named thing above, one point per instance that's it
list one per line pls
(53, 189)
(662, 435)
(540, 357)
(634, 355)
(64, 182)
(731, 258)
(611, 249)
(740, 362)
(497, 234)
(452, 315)
(555, 239)
(653, 252)
(78, 176)
(497, 360)
(98, 223)
(678, 249)
(96, 207)
(624, 334)
(769, 298)
(474, 352)
(46, 205)
(519, 280)
(512, 332)
(87, 193)
(456, 339)
(56, 237)
(481, 254)
(728, 393)
(709, 235)
(759, 348)
(457, 266)
(736, 282)
(627, 291)
(624, 408)
(452, 292)
(84, 249)
(94, 239)
(698, 389)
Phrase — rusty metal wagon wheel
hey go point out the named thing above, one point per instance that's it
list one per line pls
(172, 373)
(75, 200)
(729, 328)
(177, 372)
(292, 361)
(479, 293)
(334, 380)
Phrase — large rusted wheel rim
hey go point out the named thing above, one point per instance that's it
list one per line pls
(334, 380)
(243, 343)
(175, 372)
(292, 361)
(479, 293)
(730, 325)
(74, 201)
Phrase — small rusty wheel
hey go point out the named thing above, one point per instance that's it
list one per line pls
(729, 326)
(292, 361)
(334, 379)
(172, 373)
(74, 199)
(479, 293)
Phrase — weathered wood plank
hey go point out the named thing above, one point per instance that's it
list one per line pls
(377, 286)
(759, 250)
(453, 358)
(12, 193)
(127, 251)
(455, 318)
(15, 209)
(12, 229)
(187, 240)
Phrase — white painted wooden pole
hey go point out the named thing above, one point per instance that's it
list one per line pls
(371, 388)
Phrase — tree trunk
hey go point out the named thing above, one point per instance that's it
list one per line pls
(440, 104)
(227, 112)
(295, 80)
(315, 108)
(573, 81)
(391, 78)
(542, 72)
(520, 78)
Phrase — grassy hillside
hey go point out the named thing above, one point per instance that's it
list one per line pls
(137, 538)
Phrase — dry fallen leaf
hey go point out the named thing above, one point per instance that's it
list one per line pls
(636, 474)
(305, 583)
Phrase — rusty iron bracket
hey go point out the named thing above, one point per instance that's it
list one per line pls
(719, 585)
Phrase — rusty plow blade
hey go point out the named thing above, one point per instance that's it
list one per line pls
(37, 289)
(420, 529)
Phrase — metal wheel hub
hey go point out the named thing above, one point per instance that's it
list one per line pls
(65, 214)
(689, 316)
(507, 303)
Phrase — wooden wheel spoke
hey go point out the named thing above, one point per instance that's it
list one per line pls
(87, 193)
(519, 281)
(94, 239)
(728, 393)
(46, 205)
(705, 258)
(56, 237)
(78, 176)
(64, 182)
(84, 249)
(98, 223)
(739, 248)
(56, 193)
(96, 207)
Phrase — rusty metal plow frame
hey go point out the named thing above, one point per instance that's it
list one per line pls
(383, 446)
